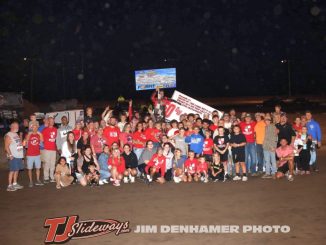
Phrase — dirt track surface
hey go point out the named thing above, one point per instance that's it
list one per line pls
(300, 204)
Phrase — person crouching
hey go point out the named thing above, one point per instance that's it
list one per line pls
(63, 176)
(92, 176)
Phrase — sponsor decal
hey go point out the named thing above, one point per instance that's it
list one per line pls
(63, 229)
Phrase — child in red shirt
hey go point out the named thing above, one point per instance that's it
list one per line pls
(190, 168)
(208, 146)
(202, 170)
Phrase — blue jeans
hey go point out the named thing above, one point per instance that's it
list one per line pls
(270, 162)
(138, 152)
(104, 174)
(260, 157)
(250, 151)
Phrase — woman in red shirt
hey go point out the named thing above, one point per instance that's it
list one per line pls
(297, 126)
(126, 137)
(117, 167)
(139, 140)
(77, 131)
(155, 168)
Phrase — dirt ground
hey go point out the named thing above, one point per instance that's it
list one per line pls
(300, 204)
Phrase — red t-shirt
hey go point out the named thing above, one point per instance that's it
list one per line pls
(33, 145)
(120, 165)
(111, 134)
(191, 165)
(91, 133)
(202, 167)
(49, 136)
(213, 127)
(77, 133)
(159, 162)
(153, 134)
(126, 138)
(139, 136)
(98, 143)
(189, 132)
(248, 129)
(297, 128)
(208, 146)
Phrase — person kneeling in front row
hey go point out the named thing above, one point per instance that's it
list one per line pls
(63, 176)
(285, 164)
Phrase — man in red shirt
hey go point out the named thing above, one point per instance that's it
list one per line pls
(33, 154)
(50, 149)
(111, 132)
(248, 129)
(160, 102)
(155, 168)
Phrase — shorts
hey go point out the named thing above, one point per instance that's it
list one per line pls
(31, 160)
(224, 157)
(192, 174)
(208, 158)
(284, 168)
(156, 175)
(238, 156)
(16, 164)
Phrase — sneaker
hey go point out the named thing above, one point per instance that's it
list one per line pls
(176, 179)
(46, 181)
(132, 179)
(105, 181)
(30, 185)
(125, 180)
(244, 178)
(58, 187)
(205, 180)
(254, 174)
(202, 178)
(236, 177)
(111, 179)
(18, 186)
(216, 180)
(39, 183)
(307, 172)
(11, 188)
(290, 177)
(116, 183)
(266, 176)
(101, 182)
(52, 181)
(149, 178)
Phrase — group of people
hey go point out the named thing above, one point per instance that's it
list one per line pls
(123, 148)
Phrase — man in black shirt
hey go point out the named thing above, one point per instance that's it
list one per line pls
(285, 130)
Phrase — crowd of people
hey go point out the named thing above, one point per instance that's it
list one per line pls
(121, 149)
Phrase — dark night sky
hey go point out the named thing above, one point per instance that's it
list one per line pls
(90, 49)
